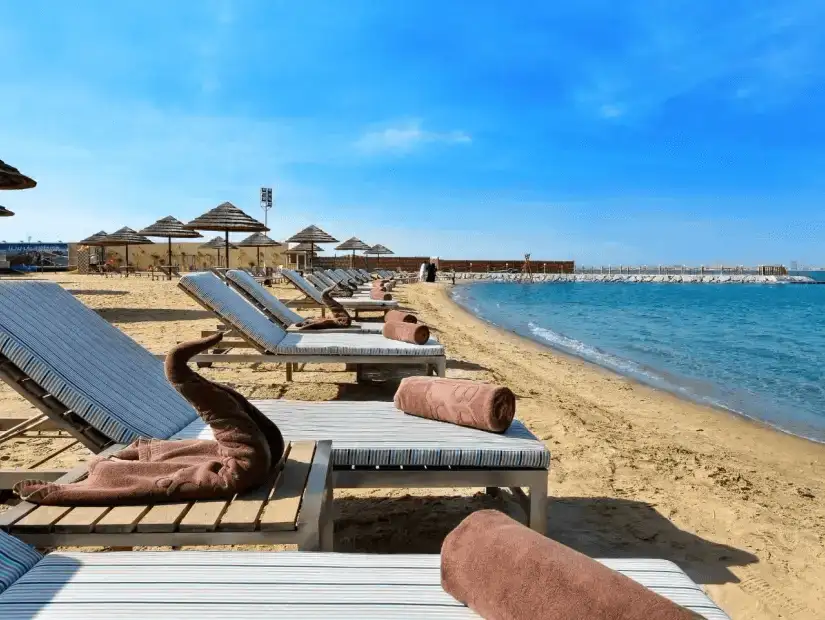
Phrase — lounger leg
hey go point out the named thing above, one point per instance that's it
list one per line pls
(324, 312)
(441, 367)
(289, 371)
(327, 524)
(538, 503)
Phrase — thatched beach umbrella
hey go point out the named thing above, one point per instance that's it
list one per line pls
(12, 178)
(125, 237)
(97, 239)
(216, 243)
(378, 250)
(311, 235)
(169, 227)
(226, 218)
(4, 212)
(258, 240)
(353, 243)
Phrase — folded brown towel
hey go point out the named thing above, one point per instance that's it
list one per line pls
(458, 401)
(398, 316)
(503, 570)
(338, 311)
(318, 323)
(413, 333)
(246, 448)
(380, 295)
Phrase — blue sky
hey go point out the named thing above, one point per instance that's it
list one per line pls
(607, 132)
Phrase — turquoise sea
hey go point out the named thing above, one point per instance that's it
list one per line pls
(758, 350)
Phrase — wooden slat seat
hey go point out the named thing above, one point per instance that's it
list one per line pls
(291, 508)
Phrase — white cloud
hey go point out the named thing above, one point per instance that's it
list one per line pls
(406, 137)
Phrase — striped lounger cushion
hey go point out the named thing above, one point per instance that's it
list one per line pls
(234, 309)
(16, 559)
(252, 585)
(344, 343)
(307, 288)
(266, 301)
(89, 365)
(374, 434)
(263, 298)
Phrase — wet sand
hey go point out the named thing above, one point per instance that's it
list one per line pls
(635, 471)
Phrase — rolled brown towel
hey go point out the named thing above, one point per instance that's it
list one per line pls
(458, 401)
(380, 295)
(503, 570)
(413, 333)
(398, 316)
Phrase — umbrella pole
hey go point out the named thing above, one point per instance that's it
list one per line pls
(227, 249)
(258, 251)
(127, 260)
(169, 261)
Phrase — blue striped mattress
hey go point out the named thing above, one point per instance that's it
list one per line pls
(263, 298)
(89, 365)
(375, 433)
(215, 585)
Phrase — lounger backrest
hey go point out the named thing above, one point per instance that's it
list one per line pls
(326, 279)
(88, 364)
(342, 276)
(263, 298)
(212, 293)
(302, 285)
(316, 281)
(16, 559)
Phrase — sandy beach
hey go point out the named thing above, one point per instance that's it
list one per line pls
(635, 471)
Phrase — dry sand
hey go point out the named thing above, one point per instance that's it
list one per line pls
(635, 471)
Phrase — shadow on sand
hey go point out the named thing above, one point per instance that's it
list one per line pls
(138, 315)
(96, 292)
(603, 527)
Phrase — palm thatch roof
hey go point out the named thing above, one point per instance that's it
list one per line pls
(312, 234)
(258, 240)
(353, 243)
(218, 243)
(4, 212)
(226, 217)
(305, 248)
(12, 178)
(95, 239)
(125, 236)
(169, 227)
(379, 249)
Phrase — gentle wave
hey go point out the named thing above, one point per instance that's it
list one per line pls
(758, 352)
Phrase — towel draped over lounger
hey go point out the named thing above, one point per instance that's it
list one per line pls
(246, 447)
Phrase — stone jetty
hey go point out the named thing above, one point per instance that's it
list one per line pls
(632, 278)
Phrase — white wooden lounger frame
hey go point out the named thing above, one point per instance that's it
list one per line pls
(249, 585)
(436, 364)
(294, 507)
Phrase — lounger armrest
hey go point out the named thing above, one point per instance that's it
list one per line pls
(315, 516)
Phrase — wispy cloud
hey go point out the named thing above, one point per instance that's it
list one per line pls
(406, 137)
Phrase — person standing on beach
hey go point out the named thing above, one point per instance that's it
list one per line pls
(431, 271)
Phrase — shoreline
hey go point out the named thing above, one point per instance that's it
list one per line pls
(719, 408)
(734, 502)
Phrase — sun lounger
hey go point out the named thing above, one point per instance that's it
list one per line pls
(277, 345)
(276, 310)
(245, 585)
(312, 297)
(103, 388)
